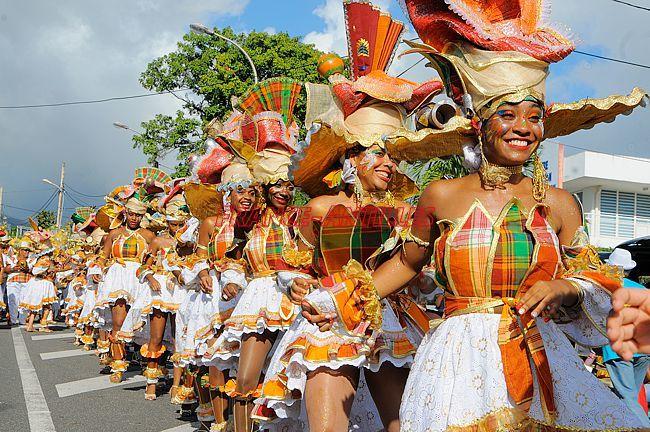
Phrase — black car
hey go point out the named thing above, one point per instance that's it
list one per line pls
(640, 250)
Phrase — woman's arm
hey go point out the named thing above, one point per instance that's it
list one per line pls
(416, 253)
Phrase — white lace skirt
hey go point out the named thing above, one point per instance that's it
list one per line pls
(263, 306)
(120, 282)
(35, 294)
(86, 316)
(456, 382)
(203, 315)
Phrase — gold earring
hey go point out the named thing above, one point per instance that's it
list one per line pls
(540, 179)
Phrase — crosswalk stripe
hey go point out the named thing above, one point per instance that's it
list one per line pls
(65, 353)
(183, 428)
(93, 384)
(38, 412)
(52, 336)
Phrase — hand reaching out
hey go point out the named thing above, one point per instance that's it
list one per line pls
(628, 326)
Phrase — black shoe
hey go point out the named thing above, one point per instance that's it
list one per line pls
(106, 370)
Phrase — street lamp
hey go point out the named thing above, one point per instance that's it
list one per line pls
(61, 189)
(121, 125)
(201, 29)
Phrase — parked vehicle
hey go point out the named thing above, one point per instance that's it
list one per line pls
(640, 250)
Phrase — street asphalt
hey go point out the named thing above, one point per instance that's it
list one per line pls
(55, 398)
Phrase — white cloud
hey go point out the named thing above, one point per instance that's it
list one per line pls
(270, 30)
(79, 50)
(333, 38)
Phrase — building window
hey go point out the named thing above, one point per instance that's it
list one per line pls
(624, 214)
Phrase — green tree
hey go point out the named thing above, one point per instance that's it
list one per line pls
(205, 72)
(45, 219)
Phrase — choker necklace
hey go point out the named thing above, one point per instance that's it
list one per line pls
(362, 198)
(495, 176)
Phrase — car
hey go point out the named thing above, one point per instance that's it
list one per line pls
(640, 250)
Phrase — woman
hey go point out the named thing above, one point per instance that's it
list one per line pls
(122, 255)
(39, 293)
(509, 252)
(357, 207)
(220, 271)
(161, 271)
(264, 310)
(18, 275)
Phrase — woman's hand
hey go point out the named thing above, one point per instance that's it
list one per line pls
(153, 283)
(628, 327)
(229, 291)
(323, 321)
(300, 288)
(205, 280)
(545, 298)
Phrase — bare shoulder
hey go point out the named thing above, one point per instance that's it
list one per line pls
(147, 234)
(564, 207)
(439, 190)
(210, 222)
(319, 206)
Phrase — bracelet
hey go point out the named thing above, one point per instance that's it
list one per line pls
(581, 293)
(408, 236)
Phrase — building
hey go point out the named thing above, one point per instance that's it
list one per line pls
(614, 192)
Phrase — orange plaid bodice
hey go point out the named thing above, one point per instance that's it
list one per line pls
(129, 247)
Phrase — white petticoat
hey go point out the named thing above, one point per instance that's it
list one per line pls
(201, 316)
(86, 316)
(289, 359)
(136, 324)
(120, 282)
(263, 306)
(35, 294)
(457, 379)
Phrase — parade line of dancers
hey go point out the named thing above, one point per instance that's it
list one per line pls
(327, 316)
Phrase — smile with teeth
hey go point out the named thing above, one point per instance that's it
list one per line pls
(518, 143)
(383, 175)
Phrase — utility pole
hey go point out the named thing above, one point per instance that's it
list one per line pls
(59, 212)
(1, 192)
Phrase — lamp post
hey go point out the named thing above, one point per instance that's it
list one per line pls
(201, 29)
(61, 189)
(121, 125)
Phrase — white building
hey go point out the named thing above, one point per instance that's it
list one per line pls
(614, 191)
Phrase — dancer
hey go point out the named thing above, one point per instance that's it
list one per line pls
(18, 275)
(509, 251)
(161, 271)
(221, 272)
(264, 309)
(39, 293)
(122, 255)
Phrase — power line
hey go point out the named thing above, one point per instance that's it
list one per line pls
(632, 158)
(83, 194)
(612, 59)
(632, 5)
(411, 67)
(86, 102)
(19, 208)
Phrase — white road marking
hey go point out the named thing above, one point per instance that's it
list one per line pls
(52, 336)
(38, 412)
(66, 353)
(93, 384)
(189, 427)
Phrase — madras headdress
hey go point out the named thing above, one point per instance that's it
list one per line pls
(495, 52)
(362, 111)
(268, 133)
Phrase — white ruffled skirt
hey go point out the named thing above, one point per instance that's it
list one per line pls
(263, 306)
(202, 316)
(86, 316)
(136, 324)
(35, 294)
(457, 382)
(120, 282)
